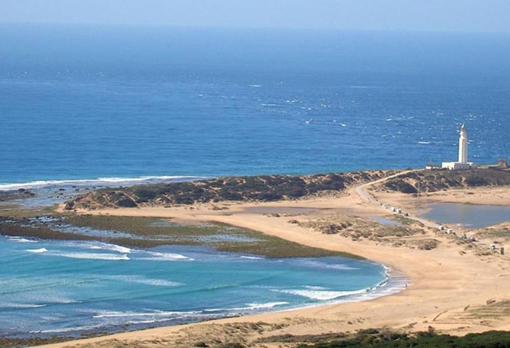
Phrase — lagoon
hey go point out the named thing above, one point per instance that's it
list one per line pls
(468, 215)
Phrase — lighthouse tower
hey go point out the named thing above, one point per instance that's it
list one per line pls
(463, 145)
(462, 163)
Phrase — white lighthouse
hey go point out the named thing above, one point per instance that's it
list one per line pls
(463, 145)
(462, 163)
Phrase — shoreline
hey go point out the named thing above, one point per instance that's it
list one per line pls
(390, 284)
(450, 286)
(433, 298)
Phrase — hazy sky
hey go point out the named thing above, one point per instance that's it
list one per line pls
(428, 15)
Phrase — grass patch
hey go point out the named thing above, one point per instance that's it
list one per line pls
(233, 239)
(406, 221)
(154, 232)
(491, 339)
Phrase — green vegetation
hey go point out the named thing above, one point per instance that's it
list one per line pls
(16, 211)
(369, 339)
(437, 180)
(23, 227)
(218, 236)
(248, 188)
(406, 221)
(153, 232)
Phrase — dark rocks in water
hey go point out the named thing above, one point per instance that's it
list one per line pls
(438, 180)
(262, 188)
(35, 227)
(15, 194)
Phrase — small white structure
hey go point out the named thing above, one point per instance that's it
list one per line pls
(462, 163)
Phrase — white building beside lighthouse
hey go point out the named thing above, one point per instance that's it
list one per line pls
(462, 163)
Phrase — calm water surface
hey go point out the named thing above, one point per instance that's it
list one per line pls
(469, 215)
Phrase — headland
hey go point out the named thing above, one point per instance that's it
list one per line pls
(457, 282)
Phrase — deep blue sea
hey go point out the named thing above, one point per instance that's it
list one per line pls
(79, 102)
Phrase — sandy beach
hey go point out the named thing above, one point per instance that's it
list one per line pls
(453, 288)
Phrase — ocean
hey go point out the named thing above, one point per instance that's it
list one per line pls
(79, 102)
(73, 288)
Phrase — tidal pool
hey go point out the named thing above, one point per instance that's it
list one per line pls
(468, 215)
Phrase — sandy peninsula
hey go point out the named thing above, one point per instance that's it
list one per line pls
(453, 287)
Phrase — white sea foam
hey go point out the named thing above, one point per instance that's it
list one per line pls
(248, 307)
(321, 295)
(144, 280)
(157, 256)
(89, 182)
(110, 247)
(92, 256)
(268, 305)
(314, 287)
(391, 284)
(21, 240)
(252, 257)
(68, 329)
(61, 301)
(20, 305)
(37, 251)
(424, 142)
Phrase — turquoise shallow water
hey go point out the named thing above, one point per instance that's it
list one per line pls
(56, 288)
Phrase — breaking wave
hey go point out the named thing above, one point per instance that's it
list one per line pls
(157, 256)
(249, 307)
(67, 329)
(321, 295)
(109, 247)
(21, 240)
(92, 182)
(37, 251)
(92, 256)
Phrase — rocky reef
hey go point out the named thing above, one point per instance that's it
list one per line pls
(438, 180)
(15, 194)
(247, 188)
